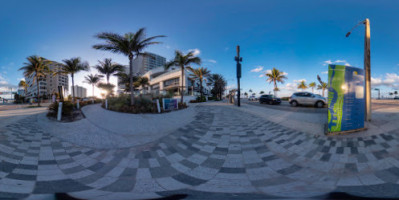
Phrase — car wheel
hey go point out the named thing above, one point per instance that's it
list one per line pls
(294, 104)
(319, 104)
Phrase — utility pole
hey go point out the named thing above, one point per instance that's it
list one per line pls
(238, 59)
(367, 69)
(366, 22)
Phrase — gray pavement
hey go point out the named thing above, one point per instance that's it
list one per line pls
(225, 153)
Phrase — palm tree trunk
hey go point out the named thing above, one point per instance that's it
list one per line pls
(38, 89)
(182, 85)
(131, 80)
(323, 92)
(73, 90)
(275, 88)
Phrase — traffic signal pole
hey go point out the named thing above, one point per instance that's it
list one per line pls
(238, 59)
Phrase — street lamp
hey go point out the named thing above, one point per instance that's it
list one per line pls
(378, 92)
(238, 59)
(366, 22)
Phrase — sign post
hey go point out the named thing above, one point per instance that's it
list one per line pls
(238, 59)
(346, 99)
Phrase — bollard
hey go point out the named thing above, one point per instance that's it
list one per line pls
(158, 106)
(59, 111)
(106, 104)
(77, 104)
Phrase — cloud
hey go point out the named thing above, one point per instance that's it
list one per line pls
(211, 61)
(325, 72)
(261, 75)
(196, 51)
(389, 80)
(5, 84)
(329, 62)
(229, 87)
(300, 80)
(257, 69)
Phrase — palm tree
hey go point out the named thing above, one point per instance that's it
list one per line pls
(312, 85)
(199, 74)
(219, 85)
(183, 61)
(124, 79)
(302, 85)
(322, 86)
(108, 68)
(92, 80)
(130, 45)
(37, 67)
(275, 76)
(22, 84)
(107, 87)
(246, 94)
(73, 66)
(261, 92)
(142, 81)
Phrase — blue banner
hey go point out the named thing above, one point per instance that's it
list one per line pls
(346, 98)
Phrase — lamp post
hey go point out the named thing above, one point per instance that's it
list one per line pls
(366, 22)
(238, 59)
(378, 92)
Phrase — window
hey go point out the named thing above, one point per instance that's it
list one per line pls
(171, 82)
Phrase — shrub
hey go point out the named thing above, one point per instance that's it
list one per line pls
(212, 98)
(201, 99)
(182, 105)
(285, 98)
(193, 101)
(67, 109)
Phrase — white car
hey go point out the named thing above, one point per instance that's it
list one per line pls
(252, 98)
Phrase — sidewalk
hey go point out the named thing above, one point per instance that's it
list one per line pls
(104, 129)
(384, 119)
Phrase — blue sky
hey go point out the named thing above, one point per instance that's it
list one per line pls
(296, 37)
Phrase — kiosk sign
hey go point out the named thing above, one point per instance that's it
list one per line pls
(169, 104)
(346, 99)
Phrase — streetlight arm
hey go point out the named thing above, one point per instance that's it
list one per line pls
(362, 22)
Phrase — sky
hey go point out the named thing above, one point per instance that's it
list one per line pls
(298, 38)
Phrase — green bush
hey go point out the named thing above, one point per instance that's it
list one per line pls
(122, 104)
(211, 98)
(201, 99)
(285, 98)
(67, 109)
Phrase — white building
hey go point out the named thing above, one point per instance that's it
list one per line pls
(80, 92)
(48, 85)
(162, 81)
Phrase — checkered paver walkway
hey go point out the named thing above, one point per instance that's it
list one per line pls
(223, 151)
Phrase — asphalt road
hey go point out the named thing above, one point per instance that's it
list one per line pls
(375, 105)
(286, 106)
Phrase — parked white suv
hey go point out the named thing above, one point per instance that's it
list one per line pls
(307, 98)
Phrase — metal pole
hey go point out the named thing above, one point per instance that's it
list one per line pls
(238, 59)
(367, 70)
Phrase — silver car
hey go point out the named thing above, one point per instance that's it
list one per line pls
(307, 98)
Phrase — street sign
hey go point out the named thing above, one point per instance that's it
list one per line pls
(238, 70)
(346, 98)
